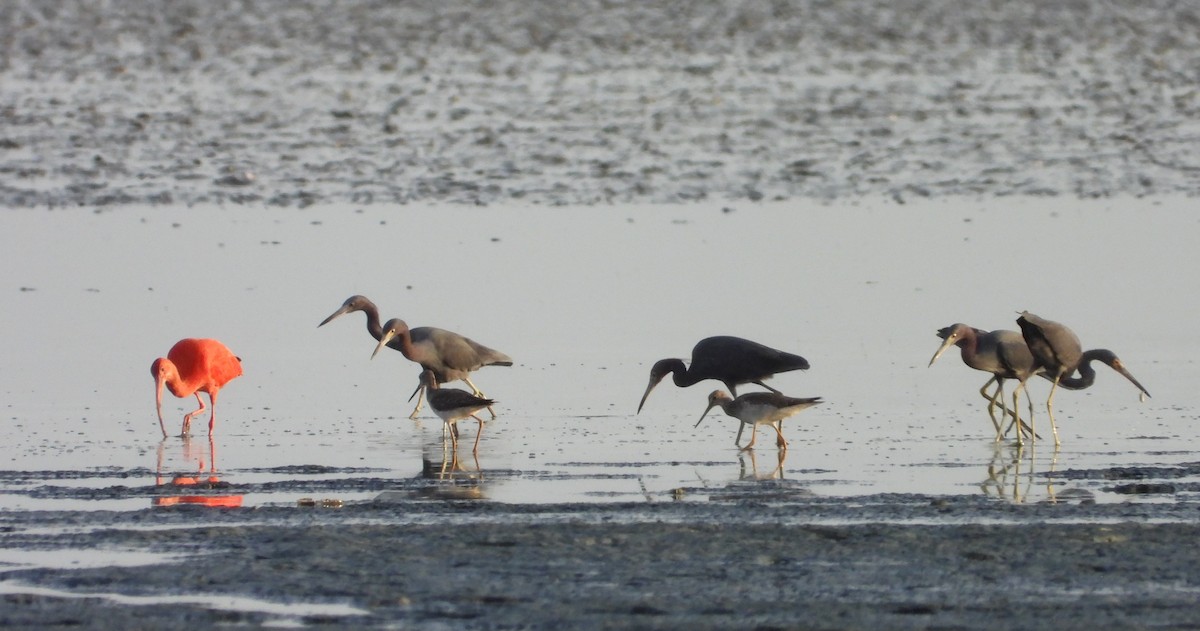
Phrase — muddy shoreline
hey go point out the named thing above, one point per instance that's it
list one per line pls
(719, 565)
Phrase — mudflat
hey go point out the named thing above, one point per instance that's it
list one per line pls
(590, 188)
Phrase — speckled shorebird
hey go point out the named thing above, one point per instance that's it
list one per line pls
(1057, 350)
(449, 355)
(758, 408)
(730, 360)
(453, 405)
(1002, 353)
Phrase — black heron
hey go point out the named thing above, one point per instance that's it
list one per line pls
(1057, 350)
(758, 408)
(1002, 353)
(453, 405)
(730, 360)
(449, 355)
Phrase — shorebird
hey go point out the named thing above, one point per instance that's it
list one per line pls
(758, 408)
(453, 405)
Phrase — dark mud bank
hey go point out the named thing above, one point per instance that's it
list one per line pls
(579, 103)
(716, 565)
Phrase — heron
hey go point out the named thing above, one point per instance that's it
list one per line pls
(758, 408)
(193, 366)
(449, 355)
(730, 360)
(1057, 350)
(453, 405)
(1002, 353)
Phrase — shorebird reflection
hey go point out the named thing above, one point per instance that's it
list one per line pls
(752, 473)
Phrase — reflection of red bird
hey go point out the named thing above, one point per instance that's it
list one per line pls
(194, 366)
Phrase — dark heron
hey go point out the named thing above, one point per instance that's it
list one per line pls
(453, 405)
(449, 355)
(1002, 353)
(758, 408)
(730, 360)
(1057, 350)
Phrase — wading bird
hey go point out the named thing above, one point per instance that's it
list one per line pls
(453, 405)
(449, 355)
(193, 366)
(1001, 353)
(730, 360)
(758, 408)
(1057, 350)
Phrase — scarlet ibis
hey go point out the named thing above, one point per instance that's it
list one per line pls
(1002, 353)
(193, 366)
(1057, 350)
(759, 408)
(730, 360)
(449, 355)
(453, 405)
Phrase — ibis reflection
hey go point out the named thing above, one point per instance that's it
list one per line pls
(193, 479)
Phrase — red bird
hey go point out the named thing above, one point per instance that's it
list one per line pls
(194, 366)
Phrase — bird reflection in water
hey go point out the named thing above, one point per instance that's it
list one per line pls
(1007, 480)
(194, 488)
(753, 473)
(453, 479)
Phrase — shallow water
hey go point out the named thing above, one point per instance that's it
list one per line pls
(585, 302)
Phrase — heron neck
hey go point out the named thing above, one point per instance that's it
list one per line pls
(1087, 374)
(680, 374)
(374, 327)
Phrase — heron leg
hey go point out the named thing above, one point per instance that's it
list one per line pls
(479, 393)
(738, 438)
(1023, 427)
(763, 385)
(1050, 410)
(991, 398)
(1017, 413)
(420, 398)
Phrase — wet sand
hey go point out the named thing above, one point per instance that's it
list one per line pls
(853, 180)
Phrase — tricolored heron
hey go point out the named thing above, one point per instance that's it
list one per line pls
(1001, 353)
(1057, 350)
(449, 355)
